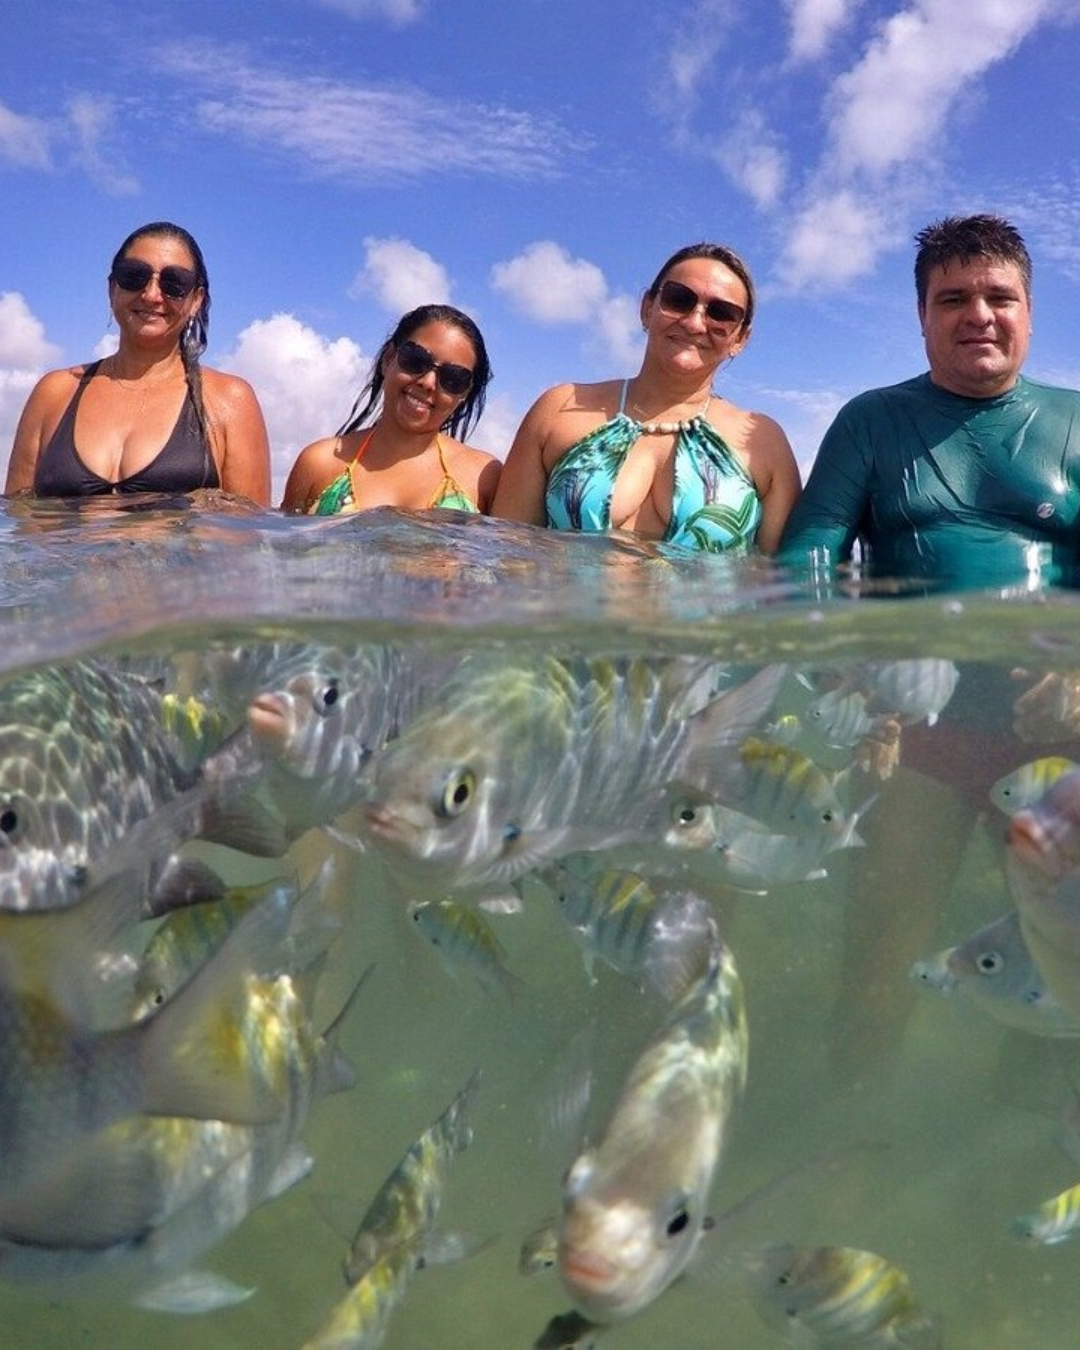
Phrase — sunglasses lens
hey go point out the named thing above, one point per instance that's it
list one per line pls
(677, 298)
(131, 275)
(724, 312)
(413, 359)
(455, 379)
(177, 282)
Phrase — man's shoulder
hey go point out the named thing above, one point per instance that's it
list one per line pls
(1044, 392)
(917, 387)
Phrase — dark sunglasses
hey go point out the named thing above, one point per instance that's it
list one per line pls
(675, 298)
(415, 360)
(175, 283)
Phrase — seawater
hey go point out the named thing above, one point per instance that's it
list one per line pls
(903, 1122)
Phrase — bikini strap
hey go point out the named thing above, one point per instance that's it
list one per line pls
(622, 398)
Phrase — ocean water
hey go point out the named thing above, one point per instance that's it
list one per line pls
(877, 1115)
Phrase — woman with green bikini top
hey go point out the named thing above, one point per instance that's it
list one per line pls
(660, 454)
(399, 445)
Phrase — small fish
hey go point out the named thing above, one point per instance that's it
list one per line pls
(914, 690)
(517, 763)
(634, 1204)
(663, 937)
(1055, 1220)
(839, 1296)
(464, 940)
(994, 969)
(783, 789)
(1023, 787)
(539, 1251)
(396, 1234)
(840, 717)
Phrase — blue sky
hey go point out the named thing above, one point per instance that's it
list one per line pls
(533, 162)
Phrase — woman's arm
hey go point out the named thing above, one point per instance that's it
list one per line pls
(240, 428)
(776, 477)
(523, 480)
(52, 390)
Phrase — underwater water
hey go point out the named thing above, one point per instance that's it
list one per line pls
(879, 1112)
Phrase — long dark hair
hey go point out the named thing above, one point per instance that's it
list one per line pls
(196, 330)
(715, 253)
(467, 413)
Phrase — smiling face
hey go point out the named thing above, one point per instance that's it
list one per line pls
(690, 343)
(148, 317)
(976, 323)
(418, 403)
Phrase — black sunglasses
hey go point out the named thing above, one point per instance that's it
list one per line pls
(413, 359)
(675, 298)
(175, 283)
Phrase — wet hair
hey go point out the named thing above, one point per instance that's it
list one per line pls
(963, 239)
(467, 413)
(193, 338)
(715, 253)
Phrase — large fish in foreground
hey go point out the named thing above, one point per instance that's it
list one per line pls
(517, 762)
(85, 756)
(634, 1204)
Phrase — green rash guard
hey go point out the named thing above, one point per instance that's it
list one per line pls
(958, 491)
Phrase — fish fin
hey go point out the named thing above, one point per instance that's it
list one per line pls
(335, 1072)
(729, 719)
(441, 1248)
(345, 838)
(244, 824)
(503, 903)
(184, 882)
(195, 1291)
(293, 1167)
(189, 1049)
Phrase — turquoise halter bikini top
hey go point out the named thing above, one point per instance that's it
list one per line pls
(715, 506)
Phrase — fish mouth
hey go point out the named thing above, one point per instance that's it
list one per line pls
(268, 719)
(1033, 845)
(589, 1272)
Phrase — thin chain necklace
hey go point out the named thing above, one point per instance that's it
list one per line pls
(142, 383)
(672, 428)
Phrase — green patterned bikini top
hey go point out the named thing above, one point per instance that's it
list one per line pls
(339, 497)
(715, 505)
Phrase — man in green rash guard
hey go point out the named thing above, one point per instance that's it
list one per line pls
(968, 475)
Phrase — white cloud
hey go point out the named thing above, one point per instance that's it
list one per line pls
(549, 286)
(91, 120)
(23, 344)
(894, 102)
(619, 321)
(814, 24)
(752, 157)
(834, 240)
(306, 383)
(400, 276)
(498, 426)
(398, 12)
(702, 30)
(363, 133)
(24, 141)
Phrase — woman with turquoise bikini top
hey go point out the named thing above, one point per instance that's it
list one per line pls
(427, 384)
(660, 454)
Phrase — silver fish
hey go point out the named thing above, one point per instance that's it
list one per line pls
(518, 763)
(839, 1296)
(318, 717)
(634, 1205)
(1023, 787)
(660, 936)
(993, 968)
(1054, 1221)
(62, 1083)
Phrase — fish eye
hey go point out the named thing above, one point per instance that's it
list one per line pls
(9, 822)
(677, 1223)
(326, 697)
(456, 794)
(685, 813)
(990, 963)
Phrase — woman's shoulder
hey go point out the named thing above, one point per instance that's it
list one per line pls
(220, 385)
